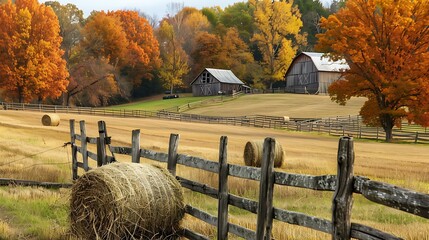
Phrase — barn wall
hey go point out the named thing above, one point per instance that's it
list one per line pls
(325, 79)
(207, 89)
(229, 88)
(302, 77)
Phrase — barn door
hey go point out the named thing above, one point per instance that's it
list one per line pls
(206, 89)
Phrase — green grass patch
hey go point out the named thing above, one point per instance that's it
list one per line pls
(42, 213)
(364, 209)
(156, 105)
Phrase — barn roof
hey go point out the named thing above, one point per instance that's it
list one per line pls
(324, 64)
(222, 75)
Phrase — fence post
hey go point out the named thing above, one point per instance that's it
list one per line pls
(223, 196)
(99, 153)
(172, 153)
(377, 133)
(84, 145)
(417, 137)
(73, 149)
(102, 133)
(266, 188)
(342, 201)
(135, 151)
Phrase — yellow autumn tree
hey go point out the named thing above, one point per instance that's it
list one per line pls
(31, 64)
(385, 43)
(278, 23)
(175, 62)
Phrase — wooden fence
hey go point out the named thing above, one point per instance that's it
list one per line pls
(337, 126)
(344, 185)
(210, 101)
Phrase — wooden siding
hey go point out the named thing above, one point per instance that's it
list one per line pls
(207, 85)
(303, 77)
(325, 79)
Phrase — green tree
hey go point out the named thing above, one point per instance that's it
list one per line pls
(240, 16)
(311, 13)
(212, 14)
(385, 43)
(71, 21)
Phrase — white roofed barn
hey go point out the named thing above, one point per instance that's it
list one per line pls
(312, 73)
(216, 81)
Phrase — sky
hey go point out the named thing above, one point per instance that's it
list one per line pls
(149, 7)
(156, 8)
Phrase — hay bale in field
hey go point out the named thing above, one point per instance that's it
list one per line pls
(126, 201)
(51, 120)
(253, 154)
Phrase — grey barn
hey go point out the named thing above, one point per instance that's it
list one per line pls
(312, 73)
(216, 81)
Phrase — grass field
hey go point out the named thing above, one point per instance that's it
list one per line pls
(156, 103)
(292, 105)
(22, 136)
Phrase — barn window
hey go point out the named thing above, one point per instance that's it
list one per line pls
(205, 77)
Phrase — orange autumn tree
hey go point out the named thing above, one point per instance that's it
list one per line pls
(31, 64)
(122, 39)
(143, 54)
(385, 43)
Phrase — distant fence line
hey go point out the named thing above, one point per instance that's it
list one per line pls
(344, 185)
(214, 100)
(335, 126)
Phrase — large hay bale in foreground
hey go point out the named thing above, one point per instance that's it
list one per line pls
(126, 201)
(51, 120)
(253, 154)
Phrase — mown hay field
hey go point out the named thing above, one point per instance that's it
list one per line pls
(292, 105)
(22, 135)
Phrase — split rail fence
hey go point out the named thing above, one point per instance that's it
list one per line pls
(344, 185)
(338, 126)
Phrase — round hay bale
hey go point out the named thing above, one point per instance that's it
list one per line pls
(51, 120)
(253, 154)
(126, 201)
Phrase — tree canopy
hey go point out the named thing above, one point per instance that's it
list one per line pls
(385, 43)
(277, 22)
(256, 39)
(31, 64)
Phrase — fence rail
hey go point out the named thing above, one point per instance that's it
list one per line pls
(344, 184)
(337, 126)
(214, 100)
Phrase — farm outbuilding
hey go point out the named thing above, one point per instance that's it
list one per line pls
(216, 81)
(312, 73)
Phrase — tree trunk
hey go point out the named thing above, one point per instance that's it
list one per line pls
(68, 99)
(20, 95)
(387, 122)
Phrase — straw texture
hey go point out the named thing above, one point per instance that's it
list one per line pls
(51, 120)
(126, 201)
(253, 151)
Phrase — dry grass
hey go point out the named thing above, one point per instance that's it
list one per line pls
(292, 105)
(404, 165)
